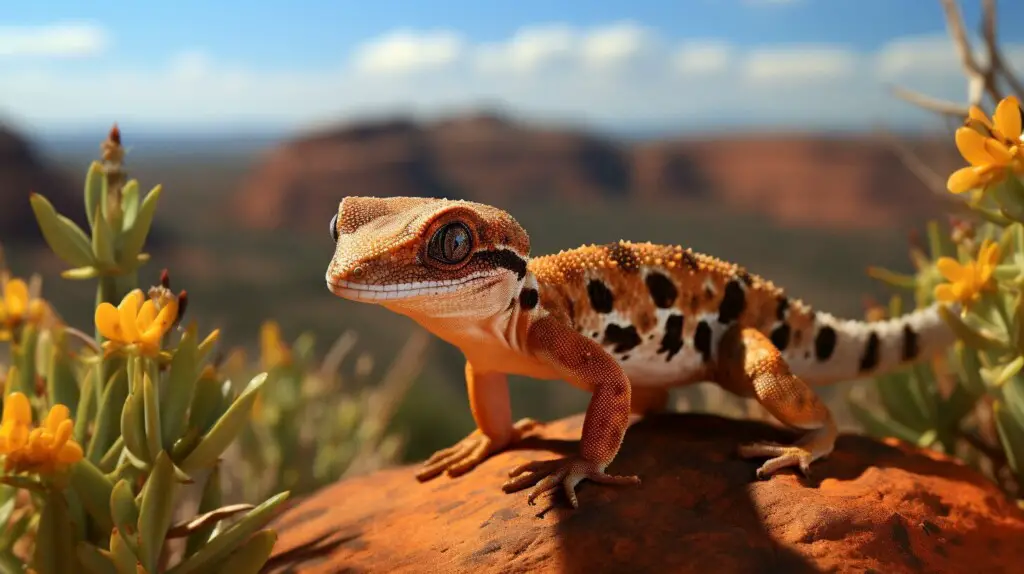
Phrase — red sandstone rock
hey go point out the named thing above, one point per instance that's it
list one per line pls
(870, 507)
(22, 171)
(853, 182)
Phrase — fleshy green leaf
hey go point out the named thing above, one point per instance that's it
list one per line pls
(250, 556)
(94, 179)
(133, 425)
(65, 238)
(94, 489)
(157, 510)
(969, 335)
(207, 405)
(220, 546)
(151, 414)
(80, 273)
(130, 203)
(108, 419)
(55, 544)
(124, 559)
(969, 369)
(181, 384)
(1011, 435)
(125, 513)
(61, 382)
(896, 394)
(881, 426)
(84, 414)
(103, 241)
(135, 238)
(96, 560)
(225, 430)
(210, 501)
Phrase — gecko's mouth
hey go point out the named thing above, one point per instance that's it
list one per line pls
(374, 293)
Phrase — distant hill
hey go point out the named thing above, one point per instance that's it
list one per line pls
(853, 181)
(23, 170)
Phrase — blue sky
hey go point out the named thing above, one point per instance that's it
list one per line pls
(698, 63)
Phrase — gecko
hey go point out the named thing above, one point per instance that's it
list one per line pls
(625, 321)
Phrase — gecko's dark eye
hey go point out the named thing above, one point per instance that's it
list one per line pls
(451, 244)
(334, 228)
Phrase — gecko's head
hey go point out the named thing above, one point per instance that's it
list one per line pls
(427, 257)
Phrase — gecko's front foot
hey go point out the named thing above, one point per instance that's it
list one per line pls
(471, 451)
(566, 471)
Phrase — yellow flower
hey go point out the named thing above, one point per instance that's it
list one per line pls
(993, 148)
(273, 351)
(967, 281)
(45, 449)
(137, 323)
(18, 307)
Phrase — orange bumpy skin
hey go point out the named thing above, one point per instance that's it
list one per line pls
(626, 322)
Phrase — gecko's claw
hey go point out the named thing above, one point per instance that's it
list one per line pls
(567, 472)
(782, 456)
(465, 455)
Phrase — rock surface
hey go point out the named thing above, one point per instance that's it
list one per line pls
(872, 506)
(22, 171)
(813, 180)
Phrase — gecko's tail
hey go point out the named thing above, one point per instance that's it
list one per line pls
(843, 349)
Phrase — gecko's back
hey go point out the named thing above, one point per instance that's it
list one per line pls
(660, 311)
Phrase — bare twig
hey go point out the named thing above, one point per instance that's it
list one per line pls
(931, 104)
(996, 60)
(978, 80)
(918, 166)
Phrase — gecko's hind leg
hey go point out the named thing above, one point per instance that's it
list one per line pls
(750, 365)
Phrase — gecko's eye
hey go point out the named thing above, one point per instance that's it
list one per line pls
(334, 228)
(450, 244)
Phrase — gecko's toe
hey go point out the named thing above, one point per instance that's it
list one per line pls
(782, 456)
(566, 472)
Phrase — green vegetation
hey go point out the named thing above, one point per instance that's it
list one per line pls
(119, 446)
(971, 403)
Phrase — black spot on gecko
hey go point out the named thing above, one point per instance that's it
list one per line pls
(780, 310)
(824, 343)
(601, 298)
(733, 302)
(528, 298)
(663, 291)
(869, 360)
(624, 257)
(702, 340)
(745, 277)
(689, 259)
(504, 258)
(624, 338)
(672, 342)
(780, 336)
(911, 346)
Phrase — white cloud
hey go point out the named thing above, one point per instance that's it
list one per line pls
(53, 41)
(702, 57)
(407, 51)
(813, 63)
(617, 45)
(622, 73)
(528, 50)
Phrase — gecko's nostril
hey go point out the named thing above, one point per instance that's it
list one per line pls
(358, 273)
